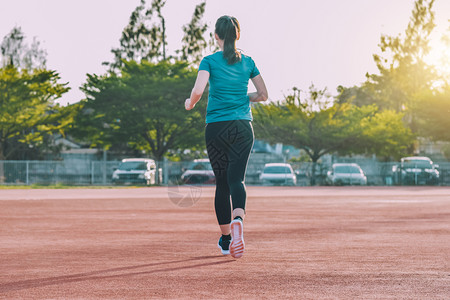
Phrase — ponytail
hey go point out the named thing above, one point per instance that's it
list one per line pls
(227, 28)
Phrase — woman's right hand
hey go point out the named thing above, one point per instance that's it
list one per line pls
(187, 104)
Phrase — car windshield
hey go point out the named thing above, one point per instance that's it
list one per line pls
(200, 166)
(277, 170)
(346, 169)
(133, 165)
(416, 163)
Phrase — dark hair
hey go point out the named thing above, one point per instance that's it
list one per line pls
(227, 29)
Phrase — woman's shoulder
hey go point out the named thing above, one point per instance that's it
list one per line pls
(214, 55)
(246, 57)
(212, 58)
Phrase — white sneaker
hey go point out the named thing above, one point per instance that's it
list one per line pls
(237, 239)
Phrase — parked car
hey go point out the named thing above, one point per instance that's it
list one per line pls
(415, 170)
(135, 171)
(199, 172)
(278, 174)
(346, 174)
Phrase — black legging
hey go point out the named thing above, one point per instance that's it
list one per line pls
(229, 144)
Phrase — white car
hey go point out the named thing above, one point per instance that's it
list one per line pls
(278, 174)
(346, 174)
(135, 171)
(199, 172)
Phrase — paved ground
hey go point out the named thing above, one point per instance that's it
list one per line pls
(301, 243)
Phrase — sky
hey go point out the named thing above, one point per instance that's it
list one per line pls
(294, 43)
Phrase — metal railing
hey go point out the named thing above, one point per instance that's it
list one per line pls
(85, 172)
(57, 172)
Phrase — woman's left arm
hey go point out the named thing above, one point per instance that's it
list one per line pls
(197, 91)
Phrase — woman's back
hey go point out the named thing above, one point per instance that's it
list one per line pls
(228, 87)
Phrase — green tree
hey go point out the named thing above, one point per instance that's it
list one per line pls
(142, 105)
(15, 52)
(434, 115)
(193, 40)
(385, 134)
(433, 107)
(144, 38)
(403, 73)
(445, 59)
(28, 114)
(27, 107)
(355, 95)
(142, 50)
(320, 126)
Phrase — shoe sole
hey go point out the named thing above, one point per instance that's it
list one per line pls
(224, 252)
(237, 245)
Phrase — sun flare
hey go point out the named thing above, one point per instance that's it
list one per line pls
(439, 57)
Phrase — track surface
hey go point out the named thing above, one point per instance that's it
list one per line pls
(301, 243)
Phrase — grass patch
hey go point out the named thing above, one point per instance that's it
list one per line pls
(65, 186)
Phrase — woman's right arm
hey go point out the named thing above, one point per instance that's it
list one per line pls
(197, 91)
(261, 91)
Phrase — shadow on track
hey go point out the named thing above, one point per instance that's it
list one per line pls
(99, 275)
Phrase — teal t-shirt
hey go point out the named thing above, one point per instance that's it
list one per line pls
(228, 87)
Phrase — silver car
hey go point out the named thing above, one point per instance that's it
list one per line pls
(346, 174)
(278, 174)
(135, 171)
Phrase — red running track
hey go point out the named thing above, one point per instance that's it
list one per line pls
(160, 243)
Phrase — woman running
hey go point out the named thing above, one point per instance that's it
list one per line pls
(229, 132)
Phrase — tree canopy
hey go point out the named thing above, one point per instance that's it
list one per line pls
(16, 52)
(403, 73)
(144, 38)
(28, 111)
(140, 102)
(319, 126)
(142, 105)
(193, 39)
(406, 83)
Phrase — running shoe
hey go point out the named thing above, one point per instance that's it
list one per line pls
(224, 246)
(237, 239)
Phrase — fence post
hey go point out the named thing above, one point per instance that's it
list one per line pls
(55, 164)
(166, 171)
(104, 166)
(27, 172)
(92, 172)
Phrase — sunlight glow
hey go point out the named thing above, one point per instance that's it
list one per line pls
(439, 57)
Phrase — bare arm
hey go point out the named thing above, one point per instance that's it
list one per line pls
(197, 91)
(261, 91)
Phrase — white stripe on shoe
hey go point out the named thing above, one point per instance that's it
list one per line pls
(237, 239)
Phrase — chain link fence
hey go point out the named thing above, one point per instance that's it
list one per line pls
(85, 172)
(57, 172)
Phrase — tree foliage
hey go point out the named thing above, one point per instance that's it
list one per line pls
(15, 52)
(434, 115)
(403, 74)
(385, 134)
(319, 126)
(27, 107)
(142, 105)
(28, 113)
(193, 40)
(313, 123)
(140, 102)
(144, 38)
